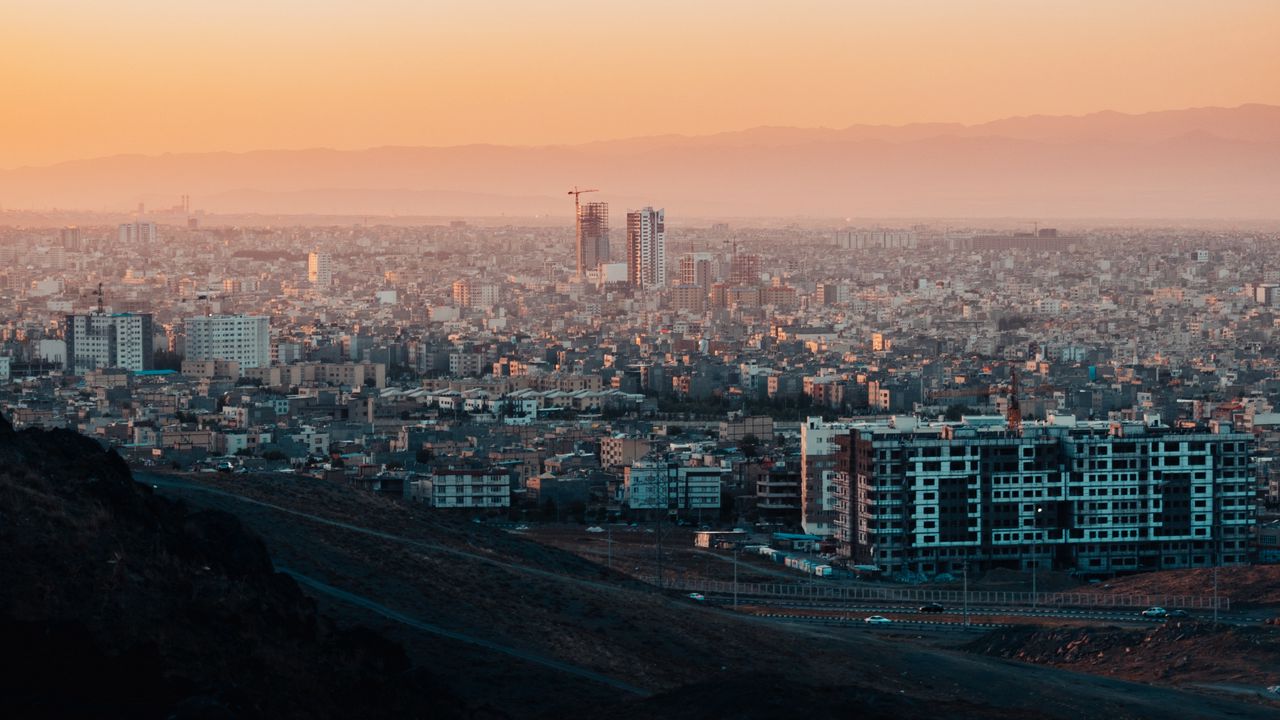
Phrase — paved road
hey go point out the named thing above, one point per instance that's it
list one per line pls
(367, 604)
(1133, 617)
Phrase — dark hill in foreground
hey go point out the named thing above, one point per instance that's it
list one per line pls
(115, 602)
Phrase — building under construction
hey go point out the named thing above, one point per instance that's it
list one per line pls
(593, 236)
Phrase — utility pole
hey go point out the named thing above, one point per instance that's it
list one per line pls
(659, 540)
(1215, 591)
(610, 544)
(966, 592)
(736, 548)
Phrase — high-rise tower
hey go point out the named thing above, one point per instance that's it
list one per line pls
(647, 248)
(320, 269)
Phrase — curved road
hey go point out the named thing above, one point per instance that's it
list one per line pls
(367, 604)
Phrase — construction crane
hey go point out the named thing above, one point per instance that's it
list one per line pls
(575, 192)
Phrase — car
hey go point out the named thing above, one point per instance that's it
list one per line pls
(1178, 614)
(595, 529)
(699, 597)
(932, 608)
(522, 527)
(1155, 612)
(877, 620)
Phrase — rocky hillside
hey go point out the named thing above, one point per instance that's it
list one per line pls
(1171, 653)
(115, 602)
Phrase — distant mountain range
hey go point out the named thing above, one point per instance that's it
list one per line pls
(1194, 163)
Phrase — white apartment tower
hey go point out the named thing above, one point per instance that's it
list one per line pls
(647, 248)
(320, 269)
(246, 339)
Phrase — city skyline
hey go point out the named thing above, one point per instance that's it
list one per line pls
(577, 359)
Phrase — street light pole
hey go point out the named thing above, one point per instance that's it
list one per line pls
(610, 544)
(966, 592)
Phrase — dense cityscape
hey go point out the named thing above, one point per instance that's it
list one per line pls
(715, 371)
(695, 361)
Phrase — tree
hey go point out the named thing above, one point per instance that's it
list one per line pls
(749, 445)
(955, 413)
(424, 455)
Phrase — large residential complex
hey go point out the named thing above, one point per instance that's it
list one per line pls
(1096, 497)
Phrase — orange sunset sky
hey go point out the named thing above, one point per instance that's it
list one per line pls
(84, 79)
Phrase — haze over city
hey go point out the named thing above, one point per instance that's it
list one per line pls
(243, 78)
(571, 359)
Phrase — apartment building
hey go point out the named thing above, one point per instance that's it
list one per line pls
(108, 340)
(246, 339)
(817, 470)
(463, 488)
(677, 488)
(1096, 496)
(622, 451)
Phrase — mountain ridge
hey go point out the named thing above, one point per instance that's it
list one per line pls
(1199, 162)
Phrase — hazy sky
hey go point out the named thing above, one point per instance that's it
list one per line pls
(91, 78)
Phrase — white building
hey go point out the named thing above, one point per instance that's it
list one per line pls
(320, 269)
(246, 339)
(817, 471)
(647, 248)
(463, 488)
(100, 340)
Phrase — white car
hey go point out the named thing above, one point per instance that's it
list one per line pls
(877, 620)
(1155, 612)
(595, 529)
(697, 596)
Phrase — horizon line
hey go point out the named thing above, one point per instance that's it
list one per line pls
(631, 138)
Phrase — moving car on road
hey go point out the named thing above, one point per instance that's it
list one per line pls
(877, 620)
(1155, 612)
(698, 597)
(931, 608)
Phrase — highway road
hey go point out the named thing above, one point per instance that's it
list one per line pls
(955, 614)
